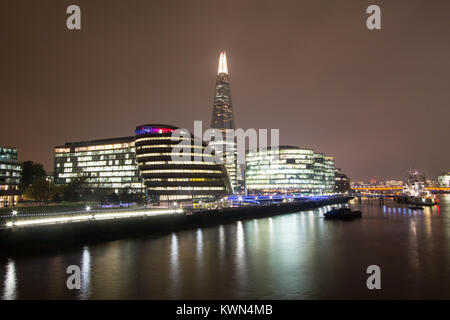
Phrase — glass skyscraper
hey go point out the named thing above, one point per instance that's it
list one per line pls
(223, 120)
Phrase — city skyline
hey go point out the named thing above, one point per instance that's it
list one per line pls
(347, 91)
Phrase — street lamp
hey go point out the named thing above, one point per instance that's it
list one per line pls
(14, 213)
(88, 208)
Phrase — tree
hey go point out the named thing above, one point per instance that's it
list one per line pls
(30, 173)
(41, 190)
(75, 189)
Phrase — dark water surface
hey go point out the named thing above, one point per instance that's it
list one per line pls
(293, 256)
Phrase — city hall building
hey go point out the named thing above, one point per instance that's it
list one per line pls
(10, 174)
(288, 170)
(183, 176)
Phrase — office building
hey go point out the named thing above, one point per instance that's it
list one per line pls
(288, 170)
(107, 164)
(10, 175)
(341, 182)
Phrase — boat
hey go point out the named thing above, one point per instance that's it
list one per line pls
(416, 194)
(342, 213)
(416, 208)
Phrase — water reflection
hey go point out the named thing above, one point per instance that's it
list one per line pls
(85, 292)
(221, 241)
(241, 262)
(10, 283)
(174, 264)
(199, 246)
(292, 256)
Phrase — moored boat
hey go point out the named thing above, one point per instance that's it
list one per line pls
(342, 213)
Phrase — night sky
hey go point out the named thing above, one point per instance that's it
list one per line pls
(376, 100)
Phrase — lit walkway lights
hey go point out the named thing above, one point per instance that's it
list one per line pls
(14, 214)
(81, 216)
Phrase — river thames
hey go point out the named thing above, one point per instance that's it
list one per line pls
(291, 256)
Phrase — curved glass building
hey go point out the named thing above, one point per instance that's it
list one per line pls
(175, 168)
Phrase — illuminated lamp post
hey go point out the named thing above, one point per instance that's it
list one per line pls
(14, 214)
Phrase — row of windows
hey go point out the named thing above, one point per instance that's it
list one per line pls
(96, 163)
(10, 167)
(101, 174)
(176, 154)
(154, 163)
(180, 171)
(183, 179)
(111, 185)
(169, 146)
(184, 188)
(94, 153)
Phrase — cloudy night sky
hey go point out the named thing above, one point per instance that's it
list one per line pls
(376, 100)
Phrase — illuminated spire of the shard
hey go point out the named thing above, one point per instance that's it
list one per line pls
(222, 117)
(223, 68)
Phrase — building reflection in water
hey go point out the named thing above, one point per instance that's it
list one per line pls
(256, 234)
(85, 292)
(199, 246)
(271, 227)
(174, 264)
(241, 259)
(221, 245)
(10, 283)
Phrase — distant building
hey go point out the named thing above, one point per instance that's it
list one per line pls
(393, 183)
(223, 120)
(107, 164)
(444, 179)
(10, 175)
(290, 170)
(416, 176)
(172, 180)
(341, 182)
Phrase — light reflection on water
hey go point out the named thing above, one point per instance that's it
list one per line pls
(85, 274)
(291, 256)
(10, 282)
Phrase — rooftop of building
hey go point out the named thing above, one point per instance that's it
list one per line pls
(284, 147)
(7, 149)
(96, 142)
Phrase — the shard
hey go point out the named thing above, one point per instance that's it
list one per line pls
(222, 119)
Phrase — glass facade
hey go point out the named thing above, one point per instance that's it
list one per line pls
(222, 119)
(10, 175)
(106, 164)
(289, 170)
(187, 175)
